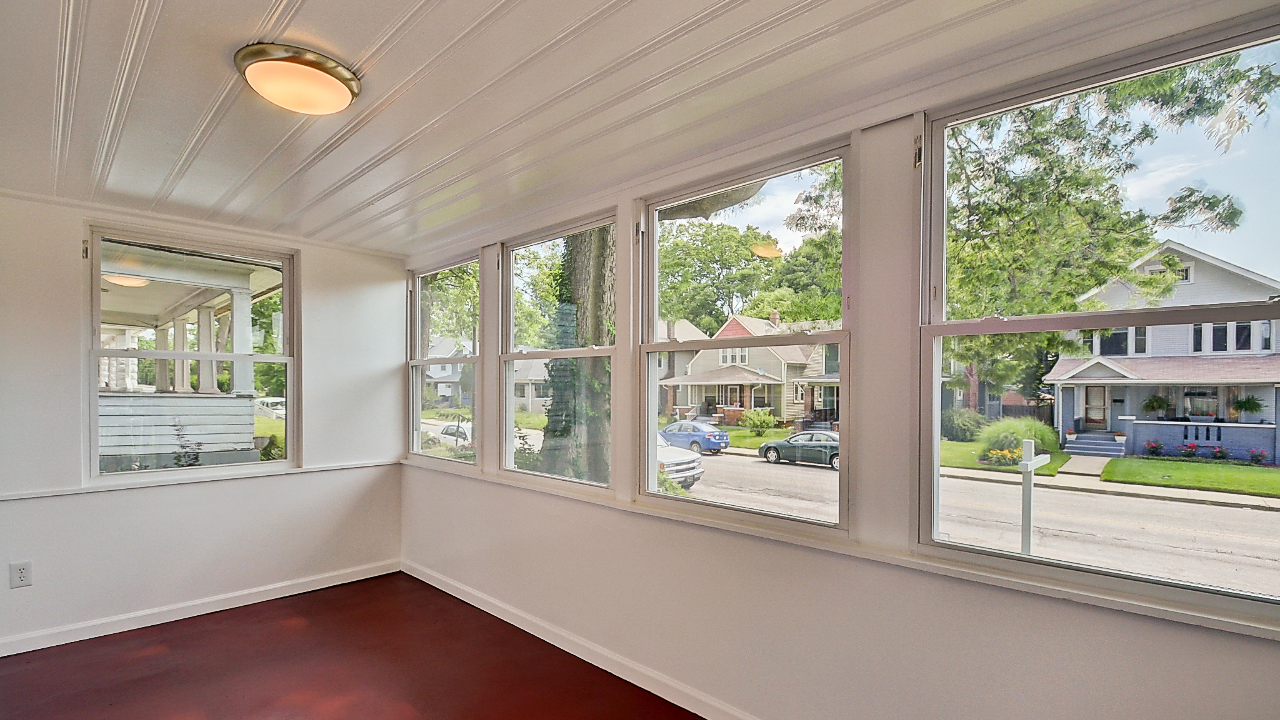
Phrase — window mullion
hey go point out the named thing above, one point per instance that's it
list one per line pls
(489, 388)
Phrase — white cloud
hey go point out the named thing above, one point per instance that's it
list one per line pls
(1151, 185)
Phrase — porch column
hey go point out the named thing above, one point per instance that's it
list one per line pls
(182, 368)
(241, 342)
(162, 366)
(204, 344)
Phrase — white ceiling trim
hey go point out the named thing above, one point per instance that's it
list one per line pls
(142, 26)
(70, 49)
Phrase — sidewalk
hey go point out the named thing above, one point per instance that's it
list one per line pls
(1094, 484)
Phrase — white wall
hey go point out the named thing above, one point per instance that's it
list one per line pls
(110, 560)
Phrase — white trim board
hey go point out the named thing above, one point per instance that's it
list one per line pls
(655, 682)
(38, 639)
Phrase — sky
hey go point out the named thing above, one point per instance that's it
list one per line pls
(770, 207)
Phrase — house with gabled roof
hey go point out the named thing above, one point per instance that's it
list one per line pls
(793, 382)
(1200, 369)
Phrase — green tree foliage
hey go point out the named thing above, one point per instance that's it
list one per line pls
(449, 304)
(1035, 208)
(708, 271)
(269, 379)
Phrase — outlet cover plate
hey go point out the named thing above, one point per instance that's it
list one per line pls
(19, 574)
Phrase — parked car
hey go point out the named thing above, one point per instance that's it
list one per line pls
(822, 448)
(275, 404)
(697, 436)
(682, 466)
(458, 432)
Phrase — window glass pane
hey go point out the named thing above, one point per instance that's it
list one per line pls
(563, 292)
(158, 299)
(1197, 338)
(141, 427)
(1266, 334)
(1172, 456)
(1114, 342)
(764, 256)
(748, 455)
(1073, 204)
(1140, 340)
(445, 403)
(448, 308)
(561, 426)
(1244, 336)
(1219, 337)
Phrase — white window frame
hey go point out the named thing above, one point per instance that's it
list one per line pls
(647, 378)
(420, 363)
(290, 329)
(1196, 604)
(1189, 266)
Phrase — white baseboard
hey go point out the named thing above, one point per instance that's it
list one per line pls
(142, 618)
(655, 682)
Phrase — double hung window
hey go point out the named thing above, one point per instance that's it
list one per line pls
(752, 269)
(560, 329)
(444, 350)
(193, 356)
(1043, 244)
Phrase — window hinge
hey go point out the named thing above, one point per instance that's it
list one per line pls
(919, 153)
(84, 250)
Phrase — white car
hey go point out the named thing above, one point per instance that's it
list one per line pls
(274, 404)
(458, 432)
(684, 467)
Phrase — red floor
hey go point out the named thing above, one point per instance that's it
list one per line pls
(389, 647)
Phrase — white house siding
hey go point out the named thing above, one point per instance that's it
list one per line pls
(1169, 340)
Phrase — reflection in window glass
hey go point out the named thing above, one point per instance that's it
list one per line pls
(448, 308)
(558, 417)
(763, 437)
(446, 411)
(761, 254)
(563, 292)
(1144, 431)
(1062, 206)
(173, 412)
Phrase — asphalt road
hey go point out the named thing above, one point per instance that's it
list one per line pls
(1233, 548)
(806, 491)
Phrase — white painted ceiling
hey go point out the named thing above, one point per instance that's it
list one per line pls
(475, 112)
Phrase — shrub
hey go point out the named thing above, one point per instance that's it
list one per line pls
(962, 424)
(273, 450)
(758, 420)
(1219, 453)
(1188, 450)
(1008, 434)
(1003, 457)
(1154, 447)
(1256, 456)
(1248, 404)
(1155, 404)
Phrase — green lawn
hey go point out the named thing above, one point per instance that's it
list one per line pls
(264, 427)
(530, 421)
(1244, 479)
(741, 437)
(965, 455)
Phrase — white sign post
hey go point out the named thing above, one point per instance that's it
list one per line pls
(1028, 468)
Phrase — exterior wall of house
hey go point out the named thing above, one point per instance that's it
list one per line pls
(1209, 284)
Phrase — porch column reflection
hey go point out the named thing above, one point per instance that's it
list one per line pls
(182, 368)
(204, 344)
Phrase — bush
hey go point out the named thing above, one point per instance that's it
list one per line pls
(758, 420)
(1219, 453)
(1008, 434)
(1003, 457)
(1155, 447)
(1188, 450)
(1256, 456)
(962, 425)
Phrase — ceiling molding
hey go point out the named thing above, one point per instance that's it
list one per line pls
(70, 49)
(142, 26)
(494, 13)
(682, 29)
(561, 39)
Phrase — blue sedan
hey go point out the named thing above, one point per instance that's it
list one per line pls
(697, 436)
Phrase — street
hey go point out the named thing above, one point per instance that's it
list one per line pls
(806, 491)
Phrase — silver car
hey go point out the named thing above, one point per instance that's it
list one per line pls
(684, 467)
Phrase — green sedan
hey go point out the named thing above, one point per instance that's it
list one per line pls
(822, 448)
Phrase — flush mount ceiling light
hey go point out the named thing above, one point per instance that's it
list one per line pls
(126, 280)
(297, 79)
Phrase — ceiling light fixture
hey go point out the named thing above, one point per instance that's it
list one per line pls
(126, 280)
(298, 79)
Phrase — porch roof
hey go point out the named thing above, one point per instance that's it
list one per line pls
(1208, 370)
(728, 375)
(827, 379)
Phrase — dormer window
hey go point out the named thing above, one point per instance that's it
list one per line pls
(733, 356)
(1184, 273)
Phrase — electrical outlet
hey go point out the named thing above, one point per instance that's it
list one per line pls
(19, 574)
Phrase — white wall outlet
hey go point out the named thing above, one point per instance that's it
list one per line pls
(19, 574)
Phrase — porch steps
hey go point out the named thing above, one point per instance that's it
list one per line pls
(1094, 445)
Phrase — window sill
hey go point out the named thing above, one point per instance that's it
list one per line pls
(1194, 607)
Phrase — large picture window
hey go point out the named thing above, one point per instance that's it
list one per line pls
(443, 368)
(560, 316)
(193, 357)
(743, 412)
(1069, 316)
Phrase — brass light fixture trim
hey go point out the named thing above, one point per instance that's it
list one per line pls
(274, 54)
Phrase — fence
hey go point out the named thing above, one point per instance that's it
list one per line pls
(1043, 413)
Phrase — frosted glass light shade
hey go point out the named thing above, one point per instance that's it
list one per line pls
(297, 79)
(126, 280)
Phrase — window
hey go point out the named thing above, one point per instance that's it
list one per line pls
(1014, 187)
(443, 422)
(1266, 334)
(560, 334)
(194, 360)
(753, 265)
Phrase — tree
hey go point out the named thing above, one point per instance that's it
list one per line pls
(708, 271)
(448, 304)
(269, 379)
(1035, 209)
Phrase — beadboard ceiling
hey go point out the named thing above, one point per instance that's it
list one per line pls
(475, 112)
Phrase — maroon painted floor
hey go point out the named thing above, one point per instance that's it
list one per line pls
(389, 647)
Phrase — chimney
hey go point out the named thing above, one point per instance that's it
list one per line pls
(775, 318)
